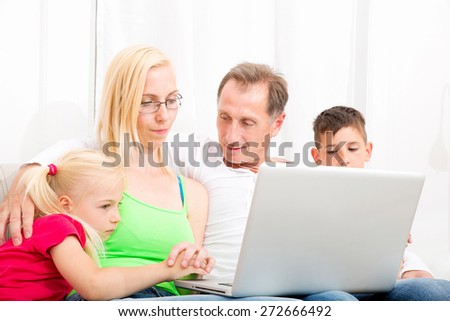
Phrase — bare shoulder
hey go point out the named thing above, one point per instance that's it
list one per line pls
(194, 188)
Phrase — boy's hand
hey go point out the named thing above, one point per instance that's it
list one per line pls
(416, 274)
(196, 256)
(409, 241)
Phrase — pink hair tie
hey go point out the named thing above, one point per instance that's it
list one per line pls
(52, 169)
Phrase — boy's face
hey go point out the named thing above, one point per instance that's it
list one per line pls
(345, 148)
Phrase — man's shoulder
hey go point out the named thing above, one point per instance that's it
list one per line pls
(77, 143)
(55, 151)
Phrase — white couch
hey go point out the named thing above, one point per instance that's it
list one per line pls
(7, 173)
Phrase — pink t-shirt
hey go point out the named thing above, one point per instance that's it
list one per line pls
(27, 272)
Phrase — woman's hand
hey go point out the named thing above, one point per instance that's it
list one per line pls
(177, 270)
(195, 256)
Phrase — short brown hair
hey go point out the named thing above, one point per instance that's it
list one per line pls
(336, 118)
(250, 73)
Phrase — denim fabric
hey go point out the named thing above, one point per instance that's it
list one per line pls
(74, 297)
(213, 297)
(324, 296)
(152, 292)
(329, 296)
(156, 294)
(421, 289)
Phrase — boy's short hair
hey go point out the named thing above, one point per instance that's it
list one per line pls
(336, 118)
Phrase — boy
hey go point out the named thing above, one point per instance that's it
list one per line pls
(341, 140)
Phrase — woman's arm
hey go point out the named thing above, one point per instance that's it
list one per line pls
(196, 255)
(95, 283)
(197, 200)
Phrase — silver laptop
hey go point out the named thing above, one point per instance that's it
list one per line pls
(311, 230)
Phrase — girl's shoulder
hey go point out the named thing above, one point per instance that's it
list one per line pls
(55, 227)
(56, 219)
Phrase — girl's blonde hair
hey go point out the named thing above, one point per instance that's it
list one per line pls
(122, 94)
(78, 170)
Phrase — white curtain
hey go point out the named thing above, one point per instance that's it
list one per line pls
(408, 109)
(46, 79)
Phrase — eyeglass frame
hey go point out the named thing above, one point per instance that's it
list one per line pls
(177, 99)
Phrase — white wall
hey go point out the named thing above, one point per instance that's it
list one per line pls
(46, 74)
(390, 59)
(408, 109)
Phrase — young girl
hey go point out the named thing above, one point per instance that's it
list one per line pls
(62, 253)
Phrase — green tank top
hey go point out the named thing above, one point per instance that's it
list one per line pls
(146, 234)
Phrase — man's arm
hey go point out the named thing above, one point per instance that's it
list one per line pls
(18, 211)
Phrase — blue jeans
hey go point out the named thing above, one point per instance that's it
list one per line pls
(421, 289)
(329, 296)
(152, 292)
(157, 294)
(213, 297)
(324, 296)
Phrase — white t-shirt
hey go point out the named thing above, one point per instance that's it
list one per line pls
(229, 190)
(55, 151)
(229, 193)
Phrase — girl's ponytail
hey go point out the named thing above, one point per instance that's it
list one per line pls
(37, 181)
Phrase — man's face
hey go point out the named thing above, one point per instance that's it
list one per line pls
(345, 148)
(243, 124)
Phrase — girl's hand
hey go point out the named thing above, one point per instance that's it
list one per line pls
(195, 256)
(177, 270)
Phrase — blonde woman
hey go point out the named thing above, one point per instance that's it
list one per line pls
(76, 201)
(161, 212)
